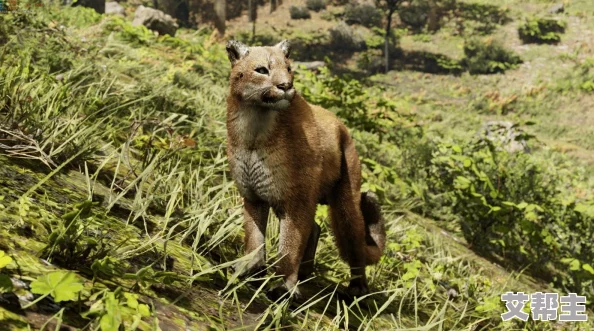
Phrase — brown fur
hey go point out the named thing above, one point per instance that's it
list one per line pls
(288, 155)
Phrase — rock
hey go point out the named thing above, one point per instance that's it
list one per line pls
(315, 65)
(557, 8)
(155, 20)
(114, 8)
(504, 134)
(452, 294)
(18, 284)
(98, 5)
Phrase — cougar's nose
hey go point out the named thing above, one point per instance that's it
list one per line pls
(284, 86)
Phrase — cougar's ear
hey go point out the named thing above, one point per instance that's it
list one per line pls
(236, 51)
(285, 46)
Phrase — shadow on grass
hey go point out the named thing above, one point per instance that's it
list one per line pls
(427, 62)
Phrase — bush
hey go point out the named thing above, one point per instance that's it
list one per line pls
(371, 61)
(524, 208)
(299, 13)
(581, 78)
(488, 57)
(345, 38)
(542, 31)
(416, 14)
(421, 12)
(316, 5)
(364, 14)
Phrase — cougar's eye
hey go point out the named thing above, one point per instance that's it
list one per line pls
(262, 70)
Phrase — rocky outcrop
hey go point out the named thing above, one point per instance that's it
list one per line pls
(114, 8)
(557, 8)
(505, 135)
(155, 20)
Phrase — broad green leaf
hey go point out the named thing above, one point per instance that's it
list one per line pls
(4, 259)
(61, 285)
(574, 265)
(113, 319)
(132, 302)
(5, 284)
(588, 268)
(144, 310)
(532, 216)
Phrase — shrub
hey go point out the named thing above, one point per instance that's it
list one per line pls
(299, 13)
(364, 14)
(480, 18)
(488, 57)
(332, 14)
(343, 37)
(371, 61)
(581, 78)
(526, 208)
(421, 12)
(316, 5)
(542, 31)
(415, 15)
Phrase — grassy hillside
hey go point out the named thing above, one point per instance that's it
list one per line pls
(118, 210)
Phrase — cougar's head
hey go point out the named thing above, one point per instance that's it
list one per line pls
(261, 76)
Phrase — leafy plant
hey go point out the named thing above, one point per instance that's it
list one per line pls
(68, 243)
(61, 285)
(135, 35)
(542, 30)
(5, 282)
(365, 14)
(299, 12)
(579, 79)
(316, 5)
(520, 208)
(345, 38)
(488, 57)
(117, 309)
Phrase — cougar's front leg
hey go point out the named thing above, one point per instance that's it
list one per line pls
(255, 218)
(295, 229)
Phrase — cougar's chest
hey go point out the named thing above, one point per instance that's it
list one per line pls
(259, 175)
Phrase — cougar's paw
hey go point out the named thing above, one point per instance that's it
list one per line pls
(356, 289)
(282, 291)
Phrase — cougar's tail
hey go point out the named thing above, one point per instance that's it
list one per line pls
(375, 231)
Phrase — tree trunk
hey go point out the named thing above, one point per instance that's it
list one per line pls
(387, 41)
(433, 17)
(220, 16)
(253, 15)
(273, 5)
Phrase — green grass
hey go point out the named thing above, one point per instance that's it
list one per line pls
(114, 167)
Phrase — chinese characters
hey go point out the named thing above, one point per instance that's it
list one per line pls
(544, 307)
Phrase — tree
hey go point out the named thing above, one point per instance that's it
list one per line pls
(220, 16)
(390, 6)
